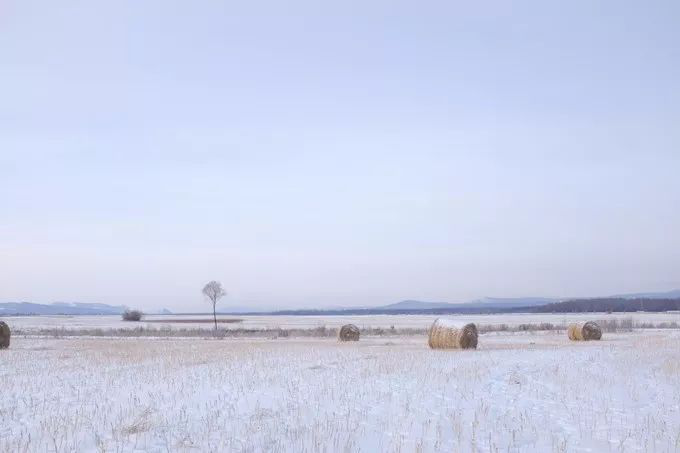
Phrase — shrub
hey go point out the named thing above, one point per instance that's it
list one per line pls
(132, 315)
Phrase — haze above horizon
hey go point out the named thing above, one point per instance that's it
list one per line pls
(341, 154)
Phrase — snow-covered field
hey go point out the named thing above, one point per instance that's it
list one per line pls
(517, 392)
(33, 323)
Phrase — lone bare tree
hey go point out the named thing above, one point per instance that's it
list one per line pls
(213, 291)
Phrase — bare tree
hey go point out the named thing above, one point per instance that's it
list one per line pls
(213, 291)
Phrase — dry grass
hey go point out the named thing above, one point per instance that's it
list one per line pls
(167, 331)
(516, 393)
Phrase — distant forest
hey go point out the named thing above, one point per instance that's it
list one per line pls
(605, 305)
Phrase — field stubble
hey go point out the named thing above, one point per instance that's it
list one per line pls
(517, 392)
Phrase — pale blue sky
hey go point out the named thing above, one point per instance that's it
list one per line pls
(344, 153)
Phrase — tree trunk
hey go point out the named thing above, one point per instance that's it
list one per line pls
(215, 316)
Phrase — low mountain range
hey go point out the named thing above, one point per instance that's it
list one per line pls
(674, 294)
(59, 308)
(486, 302)
(63, 308)
(518, 302)
(620, 302)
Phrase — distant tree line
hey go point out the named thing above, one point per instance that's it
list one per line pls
(606, 305)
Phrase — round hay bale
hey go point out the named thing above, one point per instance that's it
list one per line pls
(584, 331)
(447, 335)
(4, 335)
(349, 332)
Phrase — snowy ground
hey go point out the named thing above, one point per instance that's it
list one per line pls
(517, 392)
(29, 323)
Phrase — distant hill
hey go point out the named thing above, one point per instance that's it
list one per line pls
(510, 302)
(416, 305)
(674, 294)
(489, 305)
(484, 303)
(59, 308)
(541, 304)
